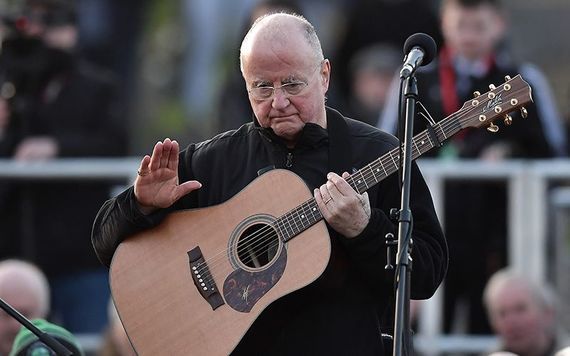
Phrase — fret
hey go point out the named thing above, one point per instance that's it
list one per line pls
(444, 136)
(295, 219)
(372, 177)
(308, 214)
(360, 189)
(350, 181)
(374, 170)
(282, 229)
(395, 164)
(380, 161)
(416, 145)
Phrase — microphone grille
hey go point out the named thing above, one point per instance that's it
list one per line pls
(425, 42)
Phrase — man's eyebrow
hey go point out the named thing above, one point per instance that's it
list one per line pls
(289, 79)
(259, 83)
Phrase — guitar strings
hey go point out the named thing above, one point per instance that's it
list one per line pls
(261, 240)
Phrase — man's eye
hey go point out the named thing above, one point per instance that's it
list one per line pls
(264, 91)
(294, 88)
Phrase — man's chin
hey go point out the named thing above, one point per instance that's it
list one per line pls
(288, 132)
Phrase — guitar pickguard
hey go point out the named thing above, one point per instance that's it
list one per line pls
(242, 289)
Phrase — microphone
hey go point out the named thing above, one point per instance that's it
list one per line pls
(420, 49)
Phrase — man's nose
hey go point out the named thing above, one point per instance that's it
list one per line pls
(280, 99)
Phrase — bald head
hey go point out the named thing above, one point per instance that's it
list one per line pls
(19, 279)
(521, 313)
(25, 288)
(280, 30)
(508, 279)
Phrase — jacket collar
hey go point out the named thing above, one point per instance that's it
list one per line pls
(313, 136)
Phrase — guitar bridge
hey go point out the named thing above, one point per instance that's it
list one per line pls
(203, 279)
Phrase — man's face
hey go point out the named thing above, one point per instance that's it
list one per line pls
(472, 32)
(519, 320)
(25, 302)
(276, 63)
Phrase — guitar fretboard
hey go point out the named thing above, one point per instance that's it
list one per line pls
(307, 214)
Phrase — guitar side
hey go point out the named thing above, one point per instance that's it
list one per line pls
(158, 302)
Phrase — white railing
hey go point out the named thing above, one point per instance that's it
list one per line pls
(527, 183)
(527, 217)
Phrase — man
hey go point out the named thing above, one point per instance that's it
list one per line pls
(522, 314)
(287, 78)
(24, 287)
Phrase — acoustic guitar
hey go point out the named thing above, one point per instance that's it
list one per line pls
(194, 284)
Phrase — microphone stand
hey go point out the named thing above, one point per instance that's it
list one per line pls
(44, 337)
(403, 257)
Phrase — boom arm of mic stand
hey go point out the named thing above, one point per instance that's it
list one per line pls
(403, 257)
(52, 343)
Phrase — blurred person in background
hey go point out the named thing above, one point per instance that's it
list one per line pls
(210, 26)
(59, 107)
(369, 22)
(25, 288)
(371, 73)
(475, 55)
(522, 314)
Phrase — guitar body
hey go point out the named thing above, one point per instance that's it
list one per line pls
(160, 302)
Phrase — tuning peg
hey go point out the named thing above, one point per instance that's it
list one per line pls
(493, 128)
(492, 86)
(476, 93)
(508, 119)
(507, 78)
(524, 112)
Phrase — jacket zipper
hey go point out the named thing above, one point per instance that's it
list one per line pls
(289, 162)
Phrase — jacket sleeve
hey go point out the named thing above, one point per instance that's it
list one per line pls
(429, 250)
(120, 217)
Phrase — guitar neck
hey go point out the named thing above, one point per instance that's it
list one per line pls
(307, 214)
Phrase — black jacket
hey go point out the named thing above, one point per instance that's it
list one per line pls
(340, 312)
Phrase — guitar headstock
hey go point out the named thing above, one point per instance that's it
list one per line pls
(497, 103)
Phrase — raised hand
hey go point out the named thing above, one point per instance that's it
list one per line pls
(157, 186)
(342, 207)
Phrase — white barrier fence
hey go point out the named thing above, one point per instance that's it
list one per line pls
(527, 183)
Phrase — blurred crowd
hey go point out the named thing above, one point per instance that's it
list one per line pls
(105, 78)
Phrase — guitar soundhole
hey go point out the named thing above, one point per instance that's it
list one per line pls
(257, 245)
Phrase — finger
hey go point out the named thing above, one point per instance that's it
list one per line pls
(156, 156)
(341, 184)
(143, 167)
(187, 187)
(321, 203)
(325, 194)
(364, 199)
(173, 161)
(166, 149)
(333, 191)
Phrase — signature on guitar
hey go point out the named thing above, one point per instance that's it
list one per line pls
(245, 293)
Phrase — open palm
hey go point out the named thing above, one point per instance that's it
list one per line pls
(157, 185)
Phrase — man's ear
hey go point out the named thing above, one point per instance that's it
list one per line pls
(326, 74)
